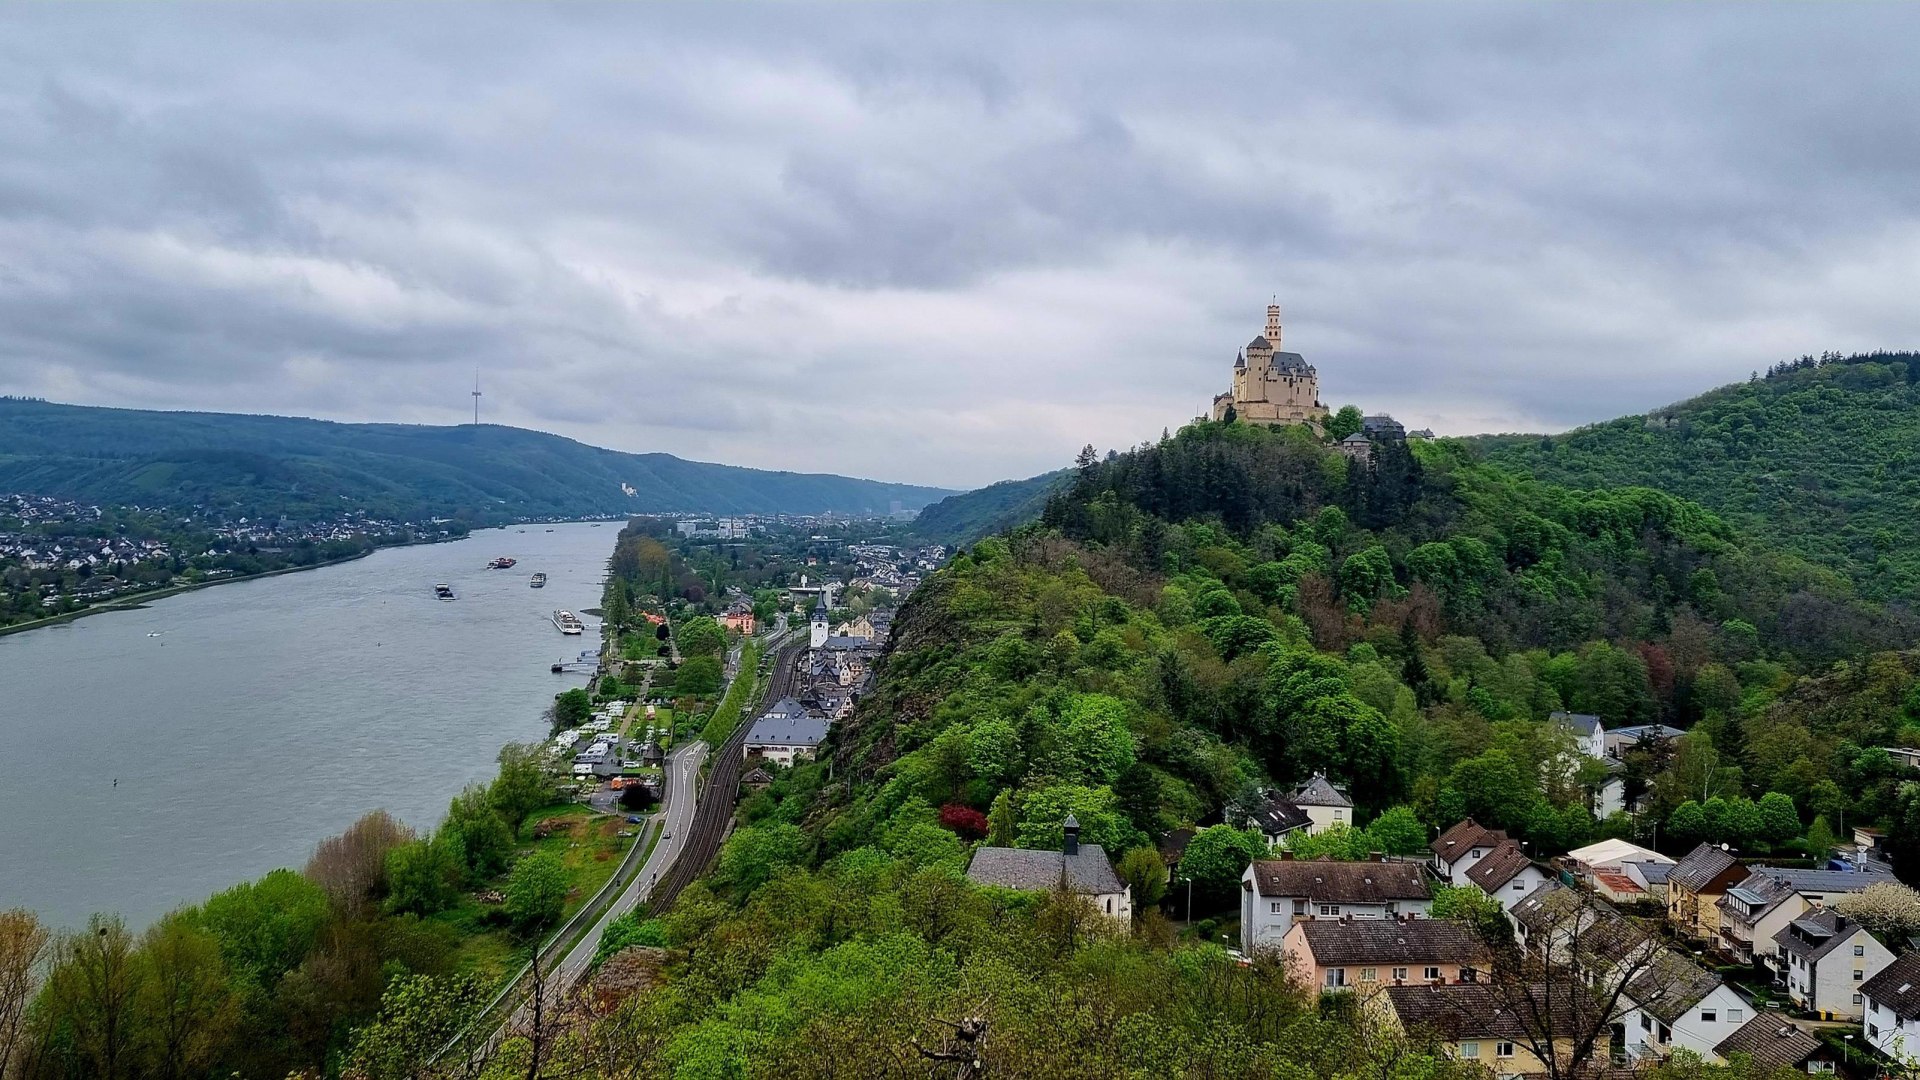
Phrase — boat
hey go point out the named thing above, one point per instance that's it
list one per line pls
(444, 591)
(502, 563)
(539, 582)
(567, 622)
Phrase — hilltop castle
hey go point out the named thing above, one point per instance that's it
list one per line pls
(1273, 387)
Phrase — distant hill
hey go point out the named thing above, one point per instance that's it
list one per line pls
(270, 466)
(961, 519)
(1820, 457)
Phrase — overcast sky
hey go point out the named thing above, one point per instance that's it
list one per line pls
(944, 244)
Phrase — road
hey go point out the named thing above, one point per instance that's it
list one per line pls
(682, 766)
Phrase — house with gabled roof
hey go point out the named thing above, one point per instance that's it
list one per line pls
(1493, 1027)
(1753, 912)
(1679, 1005)
(1506, 874)
(1456, 850)
(1276, 893)
(1275, 816)
(1079, 868)
(1695, 885)
(1890, 1002)
(1771, 1042)
(1827, 959)
(1364, 954)
(1324, 803)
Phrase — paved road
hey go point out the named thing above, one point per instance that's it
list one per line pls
(683, 765)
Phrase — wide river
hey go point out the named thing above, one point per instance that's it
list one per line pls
(246, 722)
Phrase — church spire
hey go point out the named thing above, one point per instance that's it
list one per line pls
(1273, 323)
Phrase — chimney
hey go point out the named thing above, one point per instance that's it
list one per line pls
(1286, 856)
(1070, 828)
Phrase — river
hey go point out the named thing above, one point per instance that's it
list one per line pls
(246, 722)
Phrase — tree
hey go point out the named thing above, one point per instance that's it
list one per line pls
(1471, 905)
(536, 891)
(23, 945)
(1002, 825)
(1687, 825)
(1491, 789)
(1339, 842)
(477, 834)
(1043, 811)
(965, 821)
(1779, 821)
(90, 996)
(265, 928)
(1887, 908)
(418, 1014)
(352, 867)
(186, 1005)
(1217, 856)
(526, 783)
(1343, 423)
(993, 750)
(1820, 840)
(752, 854)
(1089, 742)
(700, 637)
(698, 676)
(422, 877)
(1145, 874)
(1398, 831)
(571, 708)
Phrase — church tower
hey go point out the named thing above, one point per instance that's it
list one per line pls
(817, 632)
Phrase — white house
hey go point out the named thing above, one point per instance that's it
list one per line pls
(1588, 733)
(1276, 893)
(784, 739)
(1891, 1002)
(1828, 960)
(1506, 874)
(1325, 805)
(1753, 913)
(1275, 816)
(1457, 849)
(1678, 1005)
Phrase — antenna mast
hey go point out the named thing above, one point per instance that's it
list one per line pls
(476, 397)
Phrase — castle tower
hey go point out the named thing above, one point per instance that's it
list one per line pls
(1273, 325)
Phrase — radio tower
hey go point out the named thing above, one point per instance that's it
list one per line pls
(476, 397)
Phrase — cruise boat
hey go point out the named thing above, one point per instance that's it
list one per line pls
(567, 622)
(539, 582)
(502, 563)
(444, 591)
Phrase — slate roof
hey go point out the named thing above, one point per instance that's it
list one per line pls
(1274, 815)
(1501, 865)
(1479, 1011)
(786, 706)
(1653, 873)
(1897, 986)
(1670, 984)
(1701, 865)
(1324, 881)
(1766, 886)
(1601, 932)
(1259, 342)
(787, 731)
(1815, 934)
(1583, 723)
(1467, 834)
(1289, 361)
(1384, 942)
(1086, 872)
(1320, 791)
(1771, 1042)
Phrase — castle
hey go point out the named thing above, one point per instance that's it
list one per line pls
(1273, 387)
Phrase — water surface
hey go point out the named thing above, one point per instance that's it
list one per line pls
(248, 721)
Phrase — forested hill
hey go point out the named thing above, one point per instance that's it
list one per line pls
(961, 519)
(1819, 456)
(270, 466)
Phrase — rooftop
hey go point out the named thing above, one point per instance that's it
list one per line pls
(1771, 1042)
(1478, 1010)
(1501, 865)
(1700, 866)
(1466, 835)
(1897, 986)
(1815, 934)
(1325, 881)
(1320, 791)
(800, 730)
(1670, 984)
(1086, 872)
(1391, 941)
(1581, 723)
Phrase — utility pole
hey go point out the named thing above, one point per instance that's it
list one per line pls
(476, 397)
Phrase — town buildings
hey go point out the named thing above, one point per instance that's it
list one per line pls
(1754, 911)
(1694, 888)
(1276, 893)
(1457, 850)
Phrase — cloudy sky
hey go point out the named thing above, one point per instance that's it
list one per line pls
(945, 244)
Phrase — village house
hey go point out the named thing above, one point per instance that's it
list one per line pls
(783, 739)
(1366, 954)
(1694, 888)
(1772, 1043)
(1678, 1005)
(1082, 869)
(1506, 874)
(1324, 804)
(1457, 849)
(1495, 1028)
(739, 617)
(1276, 893)
(1590, 739)
(1753, 912)
(1828, 958)
(1890, 1002)
(1274, 816)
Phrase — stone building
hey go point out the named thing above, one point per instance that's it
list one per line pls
(1273, 387)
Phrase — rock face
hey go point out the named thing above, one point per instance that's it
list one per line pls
(632, 970)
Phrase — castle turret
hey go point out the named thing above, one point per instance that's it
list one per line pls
(1273, 325)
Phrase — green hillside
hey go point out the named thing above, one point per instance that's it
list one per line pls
(267, 466)
(961, 519)
(1819, 457)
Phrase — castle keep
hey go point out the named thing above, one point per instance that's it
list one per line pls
(1273, 387)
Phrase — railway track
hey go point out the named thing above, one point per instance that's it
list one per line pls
(713, 811)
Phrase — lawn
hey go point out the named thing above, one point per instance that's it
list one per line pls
(590, 848)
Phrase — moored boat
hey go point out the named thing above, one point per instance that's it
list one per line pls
(567, 622)
(444, 591)
(539, 581)
(502, 563)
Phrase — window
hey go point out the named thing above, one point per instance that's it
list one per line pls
(1369, 974)
(1336, 977)
(1299, 907)
(1735, 1016)
(1339, 814)
(1468, 974)
(1432, 974)
(1708, 1016)
(1856, 999)
(1469, 1049)
(1859, 950)
(1824, 1067)
(1858, 974)
(1519, 885)
(1666, 1034)
(1474, 854)
(1329, 911)
(1503, 1049)
(1646, 1022)
(1399, 974)
(1279, 908)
